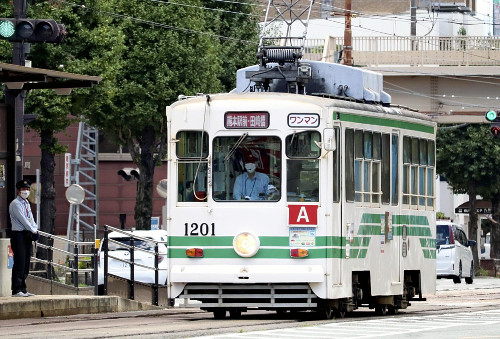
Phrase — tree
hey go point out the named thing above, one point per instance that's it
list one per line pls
(237, 25)
(171, 49)
(91, 43)
(469, 158)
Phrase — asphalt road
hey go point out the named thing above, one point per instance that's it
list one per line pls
(461, 309)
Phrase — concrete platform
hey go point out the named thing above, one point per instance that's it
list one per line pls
(62, 305)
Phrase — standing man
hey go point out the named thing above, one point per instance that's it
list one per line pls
(24, 231)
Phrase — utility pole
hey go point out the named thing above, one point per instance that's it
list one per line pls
(14, 99)
(413, 24)
(348, 35)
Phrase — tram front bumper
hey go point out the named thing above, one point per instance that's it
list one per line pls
(247, 274)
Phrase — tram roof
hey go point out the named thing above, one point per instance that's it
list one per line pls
(318, 99)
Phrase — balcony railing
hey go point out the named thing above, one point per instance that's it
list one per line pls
(389, 50)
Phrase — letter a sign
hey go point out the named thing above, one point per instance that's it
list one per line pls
(303, 214)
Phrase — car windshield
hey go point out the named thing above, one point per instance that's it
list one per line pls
(442, 235)
(145, 245)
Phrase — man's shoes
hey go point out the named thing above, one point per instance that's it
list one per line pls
(28, 294)
(20, 294)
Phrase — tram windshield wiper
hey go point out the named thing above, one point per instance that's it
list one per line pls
(236, 145)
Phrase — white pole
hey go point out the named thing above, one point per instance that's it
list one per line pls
(37, 198)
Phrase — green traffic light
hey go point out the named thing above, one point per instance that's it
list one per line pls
(491, 115)
(7, 29)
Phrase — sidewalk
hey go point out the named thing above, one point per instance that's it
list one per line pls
(63, 305)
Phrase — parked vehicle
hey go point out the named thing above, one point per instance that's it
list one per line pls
(453, 253)
(119, 248)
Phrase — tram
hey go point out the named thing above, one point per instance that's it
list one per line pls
(319, 201)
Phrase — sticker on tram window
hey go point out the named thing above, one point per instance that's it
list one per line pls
(303, 120)
(195, 229)
(302, 236)
(255, 120)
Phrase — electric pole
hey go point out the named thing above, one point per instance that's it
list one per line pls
(348, 35)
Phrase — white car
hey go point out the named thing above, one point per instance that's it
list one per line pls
(453, 253)
(118, 247)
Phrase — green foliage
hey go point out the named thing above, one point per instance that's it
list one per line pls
(469, 154)
(440, 215)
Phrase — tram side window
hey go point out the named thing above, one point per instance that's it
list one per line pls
(303, 166)
(418, 172)
(246, 168)
(395, 170)
(349, 164)
(367, 167)
(192, 153)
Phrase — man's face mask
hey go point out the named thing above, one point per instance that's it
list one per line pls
(250, 167)
(25, 194)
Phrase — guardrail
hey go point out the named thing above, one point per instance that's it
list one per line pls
(73, 264)
(408, 50)
(131, 248)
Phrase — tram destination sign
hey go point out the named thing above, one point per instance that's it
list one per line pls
(252, 120)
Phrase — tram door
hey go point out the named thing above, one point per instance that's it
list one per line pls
(331, 144)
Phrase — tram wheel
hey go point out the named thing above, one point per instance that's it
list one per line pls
(339, 313)
(381, 309)
(234, 314)
(392, 310)
(219, 314)
(327, 312)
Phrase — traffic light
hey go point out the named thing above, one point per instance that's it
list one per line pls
(32, 30)
(129, 173)
(494, 118)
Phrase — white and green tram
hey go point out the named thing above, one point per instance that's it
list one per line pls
(338, 215)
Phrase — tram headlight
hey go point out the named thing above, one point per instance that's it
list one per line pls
(246, 244)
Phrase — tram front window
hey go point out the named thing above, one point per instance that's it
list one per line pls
(192, 153)
(246, 168)
(303, 166)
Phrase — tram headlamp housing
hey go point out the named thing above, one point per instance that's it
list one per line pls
(246, 244)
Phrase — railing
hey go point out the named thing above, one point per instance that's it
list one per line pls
(131, 248)
(73, 263)
(391, 50)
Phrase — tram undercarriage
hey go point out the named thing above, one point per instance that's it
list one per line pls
(282, 298)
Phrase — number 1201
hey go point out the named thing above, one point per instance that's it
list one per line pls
(203, 229)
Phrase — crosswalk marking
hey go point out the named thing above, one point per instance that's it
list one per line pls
(376, 327)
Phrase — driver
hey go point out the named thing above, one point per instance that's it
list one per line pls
(251, 185)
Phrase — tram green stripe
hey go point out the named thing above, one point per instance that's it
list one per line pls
(265, 241)
(271, 253)
(369, 218)
(410, 220)
(412, 231)
(363, 119)
(428, 242)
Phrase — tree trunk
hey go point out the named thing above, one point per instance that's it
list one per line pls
(48, 193)
(473, 218)
(495, 228)
(146, 164)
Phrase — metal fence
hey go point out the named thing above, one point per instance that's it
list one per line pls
(131, 263)
(81, 250)
(397, 50)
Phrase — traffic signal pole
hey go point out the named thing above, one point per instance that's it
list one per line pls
(14, 100)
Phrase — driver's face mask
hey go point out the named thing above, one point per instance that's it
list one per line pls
(250, 167)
